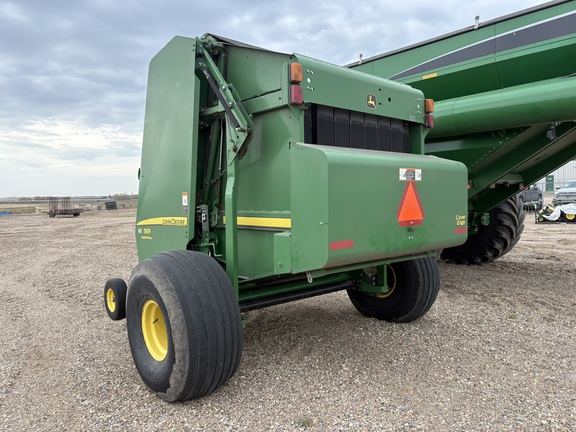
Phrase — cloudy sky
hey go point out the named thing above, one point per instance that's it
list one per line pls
(73, 73)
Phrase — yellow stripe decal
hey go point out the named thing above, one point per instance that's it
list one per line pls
(432, 75)
(263, 222)
(165, 221)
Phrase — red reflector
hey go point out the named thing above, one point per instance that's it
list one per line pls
(344, 244)
(296, 97)
(429, 121)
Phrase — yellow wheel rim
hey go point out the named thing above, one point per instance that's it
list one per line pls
(110, 300)
(154, 330)
(391, 288)
(570, 217)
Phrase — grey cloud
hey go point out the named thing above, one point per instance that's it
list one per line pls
(88, 60)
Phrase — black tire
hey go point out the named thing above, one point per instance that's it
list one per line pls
(184, 324)
(115, 299)
(494, 240)
(414, 287)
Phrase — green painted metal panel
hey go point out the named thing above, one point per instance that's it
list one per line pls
(532, 46)
(167, 186)
(256, 72)
(351, 205)
(323, 83)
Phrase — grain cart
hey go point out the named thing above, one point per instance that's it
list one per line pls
(266, 178)
(504, 93)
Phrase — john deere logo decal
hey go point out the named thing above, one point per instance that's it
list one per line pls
(371, 101)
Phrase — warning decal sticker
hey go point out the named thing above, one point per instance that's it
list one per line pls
(410, 174)
(410, 212)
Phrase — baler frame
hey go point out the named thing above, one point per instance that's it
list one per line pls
(214, 241)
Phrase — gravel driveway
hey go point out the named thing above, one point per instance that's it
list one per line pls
(497, 351)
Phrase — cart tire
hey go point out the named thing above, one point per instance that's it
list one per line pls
(494, 240)
(184, 324)
(414, 287)
(115, 299)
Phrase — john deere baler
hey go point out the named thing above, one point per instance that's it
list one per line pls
(267, 178)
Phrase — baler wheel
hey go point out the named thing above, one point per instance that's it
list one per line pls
(414, 286)
(184, 324)
(494, 240)
(115, 298)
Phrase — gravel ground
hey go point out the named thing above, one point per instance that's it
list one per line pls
(495, 352)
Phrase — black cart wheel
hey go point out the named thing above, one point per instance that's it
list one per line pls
(115, 298)
(494, 240)
(414, 286)
(184, 324)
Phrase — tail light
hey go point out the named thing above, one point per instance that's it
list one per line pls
(296, 97)
(295, 73)
(295, 78)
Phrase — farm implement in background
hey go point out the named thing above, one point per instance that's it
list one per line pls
(504, 94)
(62, 206)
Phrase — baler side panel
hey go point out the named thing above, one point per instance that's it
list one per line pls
(264, 189)
(165, 218)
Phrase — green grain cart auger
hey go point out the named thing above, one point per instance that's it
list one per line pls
(504, 93)
(267, 178)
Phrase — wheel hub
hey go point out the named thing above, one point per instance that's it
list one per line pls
(111, 300)
(154, 330)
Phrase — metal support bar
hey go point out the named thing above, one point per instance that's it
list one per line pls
(236, 115)
(224, 102)
(209, 170)
(238, 129)
(545, 157)
(231, 230)
(291, 296)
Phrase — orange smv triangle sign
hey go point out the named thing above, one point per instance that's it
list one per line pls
(410, 212)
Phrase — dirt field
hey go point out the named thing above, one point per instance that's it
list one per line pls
(496, 351)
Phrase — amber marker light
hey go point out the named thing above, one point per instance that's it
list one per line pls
(295, 75)
(429, 105)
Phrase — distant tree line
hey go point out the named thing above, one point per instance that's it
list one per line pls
(36, 198)
(116, 197)
(122, 197)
